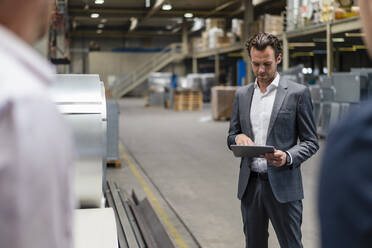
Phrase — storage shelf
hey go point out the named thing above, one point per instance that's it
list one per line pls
(215, 51)
(338, 26)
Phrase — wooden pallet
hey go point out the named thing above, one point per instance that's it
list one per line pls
(190, 100)
(113, 163)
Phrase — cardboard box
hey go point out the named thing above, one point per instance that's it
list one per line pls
(215, 23)
(223, 41)
(222, 101)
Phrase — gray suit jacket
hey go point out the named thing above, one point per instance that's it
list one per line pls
(291, 128)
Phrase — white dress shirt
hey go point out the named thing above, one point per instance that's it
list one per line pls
(261, 108)
(36, 153)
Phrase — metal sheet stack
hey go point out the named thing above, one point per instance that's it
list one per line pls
(338, 94)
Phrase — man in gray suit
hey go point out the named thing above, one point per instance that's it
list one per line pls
(276, 112)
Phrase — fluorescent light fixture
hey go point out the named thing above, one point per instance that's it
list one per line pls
(307, 70)
(188, 15)
(101, 25)
(166, 6)
(94, 15)
(355, 34)
(99, 1)
(336, 40)
(99, 31)
(147, 3)
(103, 20)
(301, 44)
(133, 23)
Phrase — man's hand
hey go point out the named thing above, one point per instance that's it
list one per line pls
(243, 140)
(278, 158)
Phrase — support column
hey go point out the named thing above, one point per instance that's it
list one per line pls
(217, 65)
(329, 50)
(185, 39)
(194, 65)
(285, 52)
(248, 20)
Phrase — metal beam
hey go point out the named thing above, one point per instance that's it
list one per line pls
(154, 9)
(238, 11)
(120, 34)
(135, 22)
(217, 66)
(194, 65)
(329, 50)
(285, 52)
(112, 12)
(223, 6)
(248, 20)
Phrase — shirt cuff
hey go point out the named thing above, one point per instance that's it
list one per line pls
(290, 158)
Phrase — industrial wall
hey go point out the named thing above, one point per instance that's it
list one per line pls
(106, 63)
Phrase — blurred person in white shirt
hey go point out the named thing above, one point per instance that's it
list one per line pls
(36, 154)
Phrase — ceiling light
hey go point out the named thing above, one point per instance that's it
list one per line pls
(301, 44)
(94, 15)
(99, 31)
(133, 23)
(147, 3)
(188, 15)
(101, 25)
(103, 20)
(335, 40)
(166, 6)
(99, 1)
(169, 27)
(355, 34)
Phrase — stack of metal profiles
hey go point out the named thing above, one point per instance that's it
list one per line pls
(316, 97)
(81, 99)
(112, 130)
(341, 92)
(208, 80)
(367, 73)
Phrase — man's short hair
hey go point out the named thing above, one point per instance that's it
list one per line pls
(262, 40)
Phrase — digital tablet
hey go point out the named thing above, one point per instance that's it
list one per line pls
(251, 151)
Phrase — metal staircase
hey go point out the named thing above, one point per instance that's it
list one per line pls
(156, 62)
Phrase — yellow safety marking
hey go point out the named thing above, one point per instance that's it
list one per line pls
(155, 202)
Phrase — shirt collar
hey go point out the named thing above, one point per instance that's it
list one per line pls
(274, 84)
(26, 55)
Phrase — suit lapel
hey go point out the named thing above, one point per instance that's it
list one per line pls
(248, 103)
(279, 98)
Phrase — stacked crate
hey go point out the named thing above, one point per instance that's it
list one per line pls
(188, 99)
(222, 102)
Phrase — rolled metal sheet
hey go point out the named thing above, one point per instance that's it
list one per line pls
(95, 228)
(81, 99)
(75, 88)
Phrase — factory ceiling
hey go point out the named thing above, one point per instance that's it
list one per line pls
(143, 18)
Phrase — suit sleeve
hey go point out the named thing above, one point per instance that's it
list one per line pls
(306, 130)
(235, 127)
(345, 184)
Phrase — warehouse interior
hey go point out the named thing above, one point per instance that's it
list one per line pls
(154, 80)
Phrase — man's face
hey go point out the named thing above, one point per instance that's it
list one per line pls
(264, 64)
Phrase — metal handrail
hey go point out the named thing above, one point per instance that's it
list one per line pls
(165, 56)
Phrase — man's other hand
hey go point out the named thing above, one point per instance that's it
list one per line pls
(243, 140)
(278, 158)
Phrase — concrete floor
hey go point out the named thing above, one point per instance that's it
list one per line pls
(184, 160)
